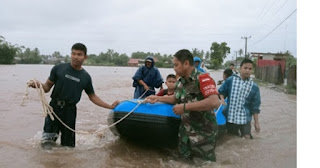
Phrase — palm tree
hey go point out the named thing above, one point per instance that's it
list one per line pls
(2, 40)
(240, 52)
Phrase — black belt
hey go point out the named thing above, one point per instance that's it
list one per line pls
(61, 103)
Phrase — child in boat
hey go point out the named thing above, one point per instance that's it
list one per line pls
(171, 83)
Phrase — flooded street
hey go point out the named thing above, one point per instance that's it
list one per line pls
(21, 127)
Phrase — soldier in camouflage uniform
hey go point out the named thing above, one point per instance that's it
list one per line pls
(195, 97)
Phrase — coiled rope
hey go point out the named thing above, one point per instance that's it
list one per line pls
(48, 110)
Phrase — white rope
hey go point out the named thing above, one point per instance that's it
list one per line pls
(218, 109)
(48, 110)
(145, 93)
(139, 102)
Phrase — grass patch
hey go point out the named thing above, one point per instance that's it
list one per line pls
(283, 88)
(291, 90)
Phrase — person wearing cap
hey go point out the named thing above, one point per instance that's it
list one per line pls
(146, 79)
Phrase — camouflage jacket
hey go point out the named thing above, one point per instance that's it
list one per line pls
(195, 122)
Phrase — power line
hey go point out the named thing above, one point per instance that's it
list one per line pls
(262, 9)
(270, 7)
(274, 28)
(267, 20)
(257, 19)
(280, 7)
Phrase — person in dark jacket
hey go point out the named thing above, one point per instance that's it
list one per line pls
(146, 79)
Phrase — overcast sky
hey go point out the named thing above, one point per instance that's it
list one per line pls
(127, 26)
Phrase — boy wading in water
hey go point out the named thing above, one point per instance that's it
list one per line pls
(243, 101)
(69, 80)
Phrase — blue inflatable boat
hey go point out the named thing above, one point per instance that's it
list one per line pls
(150, 123)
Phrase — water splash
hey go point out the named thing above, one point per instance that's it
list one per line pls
(98, 139)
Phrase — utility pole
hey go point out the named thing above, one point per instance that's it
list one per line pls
(245, 52)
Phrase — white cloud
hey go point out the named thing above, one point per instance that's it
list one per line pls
(156, 26)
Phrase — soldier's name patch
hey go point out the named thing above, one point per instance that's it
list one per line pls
(207, 85)
(206, 79)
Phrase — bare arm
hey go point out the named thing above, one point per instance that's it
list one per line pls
(256, 122)
(46, 86)
(165, 99)
(222, 100)
(96, 100)
(206, 104)
(145, 86)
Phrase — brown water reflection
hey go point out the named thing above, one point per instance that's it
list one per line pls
(21, 127)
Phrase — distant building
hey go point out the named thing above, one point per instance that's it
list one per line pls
(269, 56)
(133, 62)
(53, 60)
(139, 62)
(155, 59)
(270, 59)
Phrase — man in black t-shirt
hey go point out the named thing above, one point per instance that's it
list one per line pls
(69, 80)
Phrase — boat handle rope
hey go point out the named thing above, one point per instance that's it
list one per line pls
(218, 108)
(48, 110)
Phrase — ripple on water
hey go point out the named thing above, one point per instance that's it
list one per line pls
(97, 139)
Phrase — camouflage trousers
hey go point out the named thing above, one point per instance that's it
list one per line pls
(197, 144)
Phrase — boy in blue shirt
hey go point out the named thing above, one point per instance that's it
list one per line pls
(243, 101)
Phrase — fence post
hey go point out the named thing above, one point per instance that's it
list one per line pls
(292, 77)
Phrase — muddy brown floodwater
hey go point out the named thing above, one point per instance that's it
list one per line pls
(21, 127)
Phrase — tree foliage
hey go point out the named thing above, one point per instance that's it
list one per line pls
(197, 53)
(163, 60)
(218, 53)
(7, 51)
(207, 55)
(291, 60)
(28, 56)
(109, 58)
(240, 52)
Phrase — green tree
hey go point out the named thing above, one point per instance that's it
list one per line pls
(291, 60)
(207, 56)
(240, 52)
(29, 56)
(139, 55)
(56, 55)
(67, 59)
(7, 51)
(218, 53)
(121, 60)
(197, 53)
